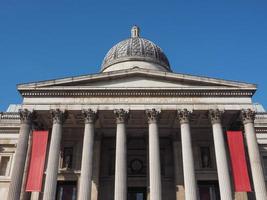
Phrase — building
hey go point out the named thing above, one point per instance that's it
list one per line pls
(134, 131)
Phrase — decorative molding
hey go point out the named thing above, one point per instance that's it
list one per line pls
(10, 115)
(183, 115)
(121, 115)
(248, 116)
(261, 130)
(182, 92)
(26, 116)
(90, 116)
(153, 115)
(58, 116)
(215, 115)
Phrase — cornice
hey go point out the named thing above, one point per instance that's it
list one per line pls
(137, 92)
(134, 72)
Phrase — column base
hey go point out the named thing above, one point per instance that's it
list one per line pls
(241, 196)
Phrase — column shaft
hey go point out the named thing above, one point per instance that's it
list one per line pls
(96, 169)
(190, 185)
(222, 163)
(188, 163)
(87, 157)
(154, 156)
(20, 156)
(120, 192)
(53, 157)
(254, 155)
(23, 194)
(178, 173)
(221, 156)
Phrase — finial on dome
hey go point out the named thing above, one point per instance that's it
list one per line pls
(135, 31)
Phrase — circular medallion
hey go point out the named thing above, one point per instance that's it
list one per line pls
(136, 165)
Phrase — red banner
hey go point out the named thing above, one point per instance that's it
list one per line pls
(238, 160)
(36, 168)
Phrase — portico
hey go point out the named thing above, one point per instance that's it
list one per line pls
(152, 136)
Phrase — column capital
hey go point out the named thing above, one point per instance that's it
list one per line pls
(153, 115)
(58, 116)
(89, 115)
(26, 116)
(215, 115)
(247, 115)
(183, 115)
(121, 115)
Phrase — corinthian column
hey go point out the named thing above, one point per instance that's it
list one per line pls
(20, 155)
(154, 155)
(87, 155)
(188, 158)
(248, 117)
(58, 117)
(220, 153)
(121, 155)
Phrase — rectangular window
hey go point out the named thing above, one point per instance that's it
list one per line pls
(5, 165)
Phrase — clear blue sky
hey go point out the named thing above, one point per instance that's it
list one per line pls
(42, 40)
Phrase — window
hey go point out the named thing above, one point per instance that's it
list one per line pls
(5, 161)
(67, 158)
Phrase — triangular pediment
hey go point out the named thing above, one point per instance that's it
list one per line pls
(136, 78)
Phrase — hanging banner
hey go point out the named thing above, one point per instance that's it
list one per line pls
(238, 161)
(38, 154)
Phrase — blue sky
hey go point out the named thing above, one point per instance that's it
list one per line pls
(42, 40)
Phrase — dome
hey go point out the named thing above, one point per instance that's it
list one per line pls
(135, 52)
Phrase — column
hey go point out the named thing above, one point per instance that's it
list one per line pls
(20, 156)
(154, 155)
(248, 117)
(87, 155)
(221, 156)
(96, 167)
(178, 172)
(120, 192)
(23, 194)
(58, 117)
(188, 158)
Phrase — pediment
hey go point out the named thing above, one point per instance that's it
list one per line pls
(136, 78)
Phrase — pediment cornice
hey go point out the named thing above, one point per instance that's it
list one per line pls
(135, 72)
(189, 85)
(155, 92)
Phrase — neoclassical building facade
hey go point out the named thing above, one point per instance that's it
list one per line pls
(134, 131)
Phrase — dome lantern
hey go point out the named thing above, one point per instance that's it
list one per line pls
(135, 32)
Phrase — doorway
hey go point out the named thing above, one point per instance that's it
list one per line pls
(136, 193)
(209, 190)
(66, 190)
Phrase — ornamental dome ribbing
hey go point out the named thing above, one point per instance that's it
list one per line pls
(135, 52)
